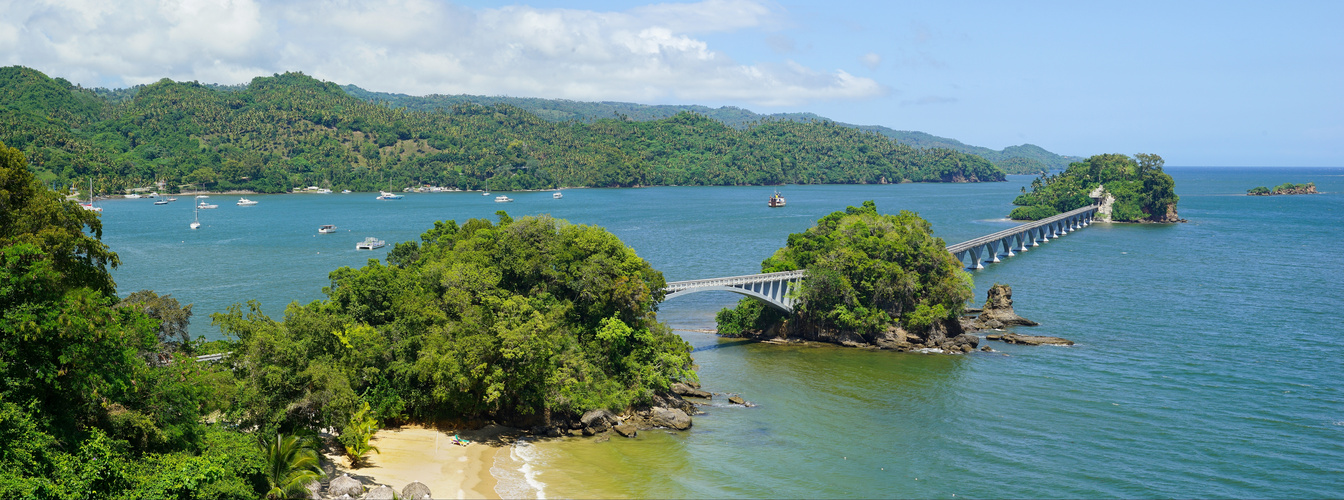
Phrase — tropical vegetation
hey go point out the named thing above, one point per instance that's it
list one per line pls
(291, 130)
(508, 320)
(1141, 190)
(866, 272)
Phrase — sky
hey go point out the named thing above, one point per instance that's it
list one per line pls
(1220, 83)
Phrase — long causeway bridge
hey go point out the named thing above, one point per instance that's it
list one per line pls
(773, 288)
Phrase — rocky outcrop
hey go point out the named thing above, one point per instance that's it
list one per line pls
(597, 421)
(1013, 338)
(671, 418)
(686, 390)
(998, 310)
(383, 492)
(627, 430)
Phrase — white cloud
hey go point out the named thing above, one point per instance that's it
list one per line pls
(872, 60)
(652, 53)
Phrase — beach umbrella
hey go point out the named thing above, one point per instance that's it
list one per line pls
(383, 492)
(345, 485)
(416, 491)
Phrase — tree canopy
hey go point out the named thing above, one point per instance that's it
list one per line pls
(1142, 191)
(291, 130)
(866, 271)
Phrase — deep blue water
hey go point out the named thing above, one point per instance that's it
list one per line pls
(1207, 362)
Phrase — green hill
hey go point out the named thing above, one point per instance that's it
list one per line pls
(1024, 159)
(292, 130)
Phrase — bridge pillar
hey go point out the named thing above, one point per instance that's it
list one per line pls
(1045, 234)
(1021, 241)
(992, 251)
(1007, 243)
(975, 259)
(1035, 235)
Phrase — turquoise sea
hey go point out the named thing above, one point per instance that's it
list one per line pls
(1208, 362)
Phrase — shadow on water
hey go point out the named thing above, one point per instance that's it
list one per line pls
(721, 345)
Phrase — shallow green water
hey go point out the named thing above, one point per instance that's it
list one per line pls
(1207, 364)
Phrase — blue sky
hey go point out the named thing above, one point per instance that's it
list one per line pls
(1200, 83)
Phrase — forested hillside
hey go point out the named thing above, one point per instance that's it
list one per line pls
(292, 130)
(1024, 159)
(1140, 191)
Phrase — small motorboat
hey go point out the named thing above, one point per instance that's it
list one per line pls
(776, 200)
(384, 195)
(172, 199)
(244, 202)
(161, 202)
(326, 229)
(345, 191)
(487, 193)
(370, 243)
(502, 199)
(557, 195)
(206, 206)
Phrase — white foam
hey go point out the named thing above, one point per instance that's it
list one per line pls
(517, 478)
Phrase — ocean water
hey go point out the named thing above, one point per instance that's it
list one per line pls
(1207, 363)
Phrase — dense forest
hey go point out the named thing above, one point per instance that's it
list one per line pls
(290, 130)
(867, 273)
(1142, 192)
(1023, 159)
(505, 320)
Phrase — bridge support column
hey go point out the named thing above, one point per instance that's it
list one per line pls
(1021, 241)
(1007, 246)
(975, 259)
(1045, 234)
(992, 251)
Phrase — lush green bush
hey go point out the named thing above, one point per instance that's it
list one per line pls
(866, 271)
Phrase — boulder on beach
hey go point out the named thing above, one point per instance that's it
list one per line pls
(416, 491)
(626, 430)
(681, 389)
(670, 417)
(345, 485)
(595, 421)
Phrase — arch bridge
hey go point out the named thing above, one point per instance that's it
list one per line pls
(774, 288)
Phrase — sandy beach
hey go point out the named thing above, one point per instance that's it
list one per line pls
(416, 453)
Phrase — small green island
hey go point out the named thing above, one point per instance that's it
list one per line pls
(1127, 189)
(874, 280)
(1286, 188)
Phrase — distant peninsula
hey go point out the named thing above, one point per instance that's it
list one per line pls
(291, 130)
(1285, 188)
(1127, 190)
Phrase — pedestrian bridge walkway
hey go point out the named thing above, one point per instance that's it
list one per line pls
(773, 288)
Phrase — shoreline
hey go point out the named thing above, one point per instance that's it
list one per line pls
(417, 453)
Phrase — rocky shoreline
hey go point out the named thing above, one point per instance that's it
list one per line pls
(954, 337)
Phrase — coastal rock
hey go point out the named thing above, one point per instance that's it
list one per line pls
(999, 310)
(416, 491)
(595, 421)
(670, 417)
(314, 490)
(681, 389)
(345, 485)
(737, 400)
(626, 430)
(382, 492)
(1013, 338)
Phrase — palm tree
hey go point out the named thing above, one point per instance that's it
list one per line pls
(291, 464)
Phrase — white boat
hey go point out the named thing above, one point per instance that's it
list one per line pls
(161, 202)
(369, 243)
(172, 199)
(345, 191)
(243, 202)
(197, 223)
(384, 195)
(205, 206)
(89, 205)
(487, 193)
(502, 199)
(557, 195)
(326, 229)
(324, 191)
(132, 196)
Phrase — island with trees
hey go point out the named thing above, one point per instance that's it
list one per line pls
(532, 321)
(1286, 188)
(874, 280)
(290, 130)
(1127, 189)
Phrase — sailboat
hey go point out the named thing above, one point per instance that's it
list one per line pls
(197, 223)
(89, 205)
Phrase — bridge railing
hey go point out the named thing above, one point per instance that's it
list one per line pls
(677, 286)
(965, 245)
